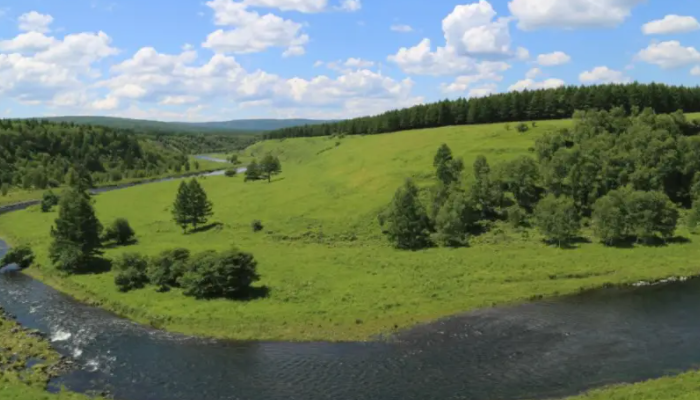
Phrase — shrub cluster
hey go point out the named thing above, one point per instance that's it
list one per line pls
(206, 275)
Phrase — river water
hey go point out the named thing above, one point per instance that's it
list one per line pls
(544, 349)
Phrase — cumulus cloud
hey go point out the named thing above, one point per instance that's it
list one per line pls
(305, 6)
(603, 75)
(485, 71)
(35, 22)
(350, 5)
(358, 63)
(253, 32)
(570, 14)
(483, 91)
(402, 28)
(553, 59)
(533, 73)
(671, 24)
(669, 55)
(530, 84)
(695, 71)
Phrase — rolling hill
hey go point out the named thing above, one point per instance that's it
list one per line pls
(244, 126)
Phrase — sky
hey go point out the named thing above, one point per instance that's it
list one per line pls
(232, 59)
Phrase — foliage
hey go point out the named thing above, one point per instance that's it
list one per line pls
(270, 165)
(610, 216)
(191, 206)
(165, 269)
(520, 177)
(76, 233)
(231, 172)
(130, 272)
(48, 201)
(557, 218)
(693, 217)
(447, 168)
(253, 172)
(256, 225)
(4, 188)
(651, 215)
(558, 103)
(120, 232)
(486, 192)
(212, 275)
(22, 255)
(406, 224)
(233, 159)
(516, 216)
(522, 127)
(456, 219)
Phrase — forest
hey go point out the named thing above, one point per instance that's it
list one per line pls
(38, 154)
(546, 104)
(624, 177)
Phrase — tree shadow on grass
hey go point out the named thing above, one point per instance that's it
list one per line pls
(114, 245)
(207, 228)
(96, 266)
(572, 244)
(252, 293)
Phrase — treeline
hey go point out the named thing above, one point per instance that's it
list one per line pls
(559, 103)
(625, 177)
(41, 154)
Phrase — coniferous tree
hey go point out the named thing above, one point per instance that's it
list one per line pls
(407, 225)
(486, 193)
(76, 233)
(182, 214)
(448, 169)
(200, 206)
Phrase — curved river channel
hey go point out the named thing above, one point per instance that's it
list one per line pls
(544, 349)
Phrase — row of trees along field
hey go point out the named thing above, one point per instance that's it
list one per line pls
(559, 103)
(625, 177)
(40, 154)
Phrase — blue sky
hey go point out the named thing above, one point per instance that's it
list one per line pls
(230, 59)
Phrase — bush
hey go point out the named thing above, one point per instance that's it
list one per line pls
(516, 216)
(455, 219)
(115, 175)
(165, 269)
(256, 225)
(212, 275)
(522, 127)
(4, 189)
(407, 224)
(130, 272)
(23, 256)
(693, 218)
(48, 201)
(120, 232)
(231, 172)
(68, 257)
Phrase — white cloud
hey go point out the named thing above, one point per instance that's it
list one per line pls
(603, 75)
(350, 5)
(358, 63)
(177, 79)
(552, 59)
(669, 55)
(695, 71)
(533, 73)
(570, 14)
(108, 103)
(529, 84)
(402, 28)
(483, 91)
(671, 24)
(35, 22)
(486, 71)
(421, 60)
(471, 30)
(305, 6)
(29, 42)
(252, 32)
(318, 63)
(522, 54)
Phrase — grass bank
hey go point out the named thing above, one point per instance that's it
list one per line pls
(27, 362)
(331, 274)
(681, 387)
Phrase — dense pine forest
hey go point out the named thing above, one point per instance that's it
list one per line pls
(559, 103)
(40, 154)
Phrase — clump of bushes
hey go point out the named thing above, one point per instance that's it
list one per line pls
(522, 127)
(256, 225)
(22, 255)
(48, 201)
(206, 275)
(231, 172)
(120, 232)
(130, 271)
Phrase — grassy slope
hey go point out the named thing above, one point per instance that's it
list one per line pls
(681, 387)
(17, 195)
(331, 273)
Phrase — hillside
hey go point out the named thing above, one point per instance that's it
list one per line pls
(331, 272)
(247, 126)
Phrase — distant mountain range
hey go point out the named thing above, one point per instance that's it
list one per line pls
(240, 126)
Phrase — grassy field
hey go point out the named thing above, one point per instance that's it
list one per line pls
(17, 382)
(17, 195)
(331, 274)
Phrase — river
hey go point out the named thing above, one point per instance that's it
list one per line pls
(544, 349)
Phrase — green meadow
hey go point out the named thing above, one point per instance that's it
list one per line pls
(681, 387)
(330, 272)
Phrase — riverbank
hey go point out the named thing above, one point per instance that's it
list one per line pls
(28, 363)
(681, 387)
